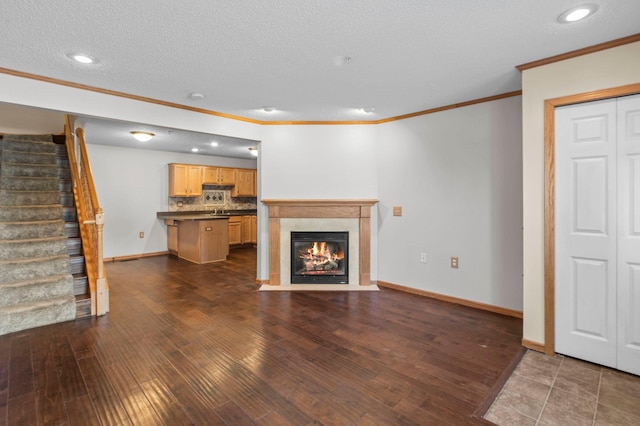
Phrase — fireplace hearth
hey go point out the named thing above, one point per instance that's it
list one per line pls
(319, 257)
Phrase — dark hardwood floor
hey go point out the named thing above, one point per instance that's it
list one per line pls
(198, 344)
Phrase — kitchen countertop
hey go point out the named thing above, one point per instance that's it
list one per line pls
(203, 215)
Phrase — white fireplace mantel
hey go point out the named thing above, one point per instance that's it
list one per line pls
(356, 209)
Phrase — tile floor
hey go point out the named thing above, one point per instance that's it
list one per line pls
(560, 390)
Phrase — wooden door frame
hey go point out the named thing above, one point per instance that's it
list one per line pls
(549, 196)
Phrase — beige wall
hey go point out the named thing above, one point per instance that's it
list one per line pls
(601, 70)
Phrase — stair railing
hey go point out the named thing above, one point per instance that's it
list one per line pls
(90, 219)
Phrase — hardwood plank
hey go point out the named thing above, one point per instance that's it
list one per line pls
(196, 344)
(108, 406)
(23, 410)
(21, 380)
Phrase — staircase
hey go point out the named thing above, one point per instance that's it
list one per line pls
(72, 232)
(36, 285)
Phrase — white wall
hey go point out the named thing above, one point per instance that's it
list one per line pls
(316, 162)
(453, 172)
(601, 70)
(457, 176)
(309, 162)
(132, 186)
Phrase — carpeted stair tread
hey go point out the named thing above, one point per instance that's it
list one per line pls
(24, 269)
(28, 157)
(31, 229)
(35, 290)
(12, 144)
(30, 183)
(27, 138)
(26, 169)
(30, 315)
(30, 248)
(30, 213)
(28, 198)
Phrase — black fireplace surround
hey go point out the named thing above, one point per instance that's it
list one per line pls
(319, 257)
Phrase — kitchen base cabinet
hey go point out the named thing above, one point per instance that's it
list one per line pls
(172, 236)
(203, 241)
(235, 230)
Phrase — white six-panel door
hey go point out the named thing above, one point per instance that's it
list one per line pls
(597, 235)
(629, 234)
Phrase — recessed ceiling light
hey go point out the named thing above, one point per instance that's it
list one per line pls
(268, 108)
(82, 58)
(254, 151)
(194, 150)
(214, 143)
(367, 110)
(196, 96)
(142, 136)
(578, 13)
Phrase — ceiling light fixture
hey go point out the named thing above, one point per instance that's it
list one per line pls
(268, 108)
(578, 13)
(367, 110)
(196, 96)
(254, 151)
(82, 58)
(214, 143)
(194, 150)
(142, 136)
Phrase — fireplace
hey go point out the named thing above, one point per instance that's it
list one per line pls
(319, 257)
(351, 216)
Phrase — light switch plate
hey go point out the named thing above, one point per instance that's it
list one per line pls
(397, 211)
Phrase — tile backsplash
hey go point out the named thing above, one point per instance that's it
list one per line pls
(213, 197)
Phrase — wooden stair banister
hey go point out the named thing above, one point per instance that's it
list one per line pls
(90, 218)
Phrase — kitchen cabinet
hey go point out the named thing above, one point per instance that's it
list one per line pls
(242, 229)
(235, 230)
(249, 229)
(246, 185)
(185, 180)
(172, 236)
(203, 241)
(213, 175)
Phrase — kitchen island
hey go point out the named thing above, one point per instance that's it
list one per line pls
(200, 236)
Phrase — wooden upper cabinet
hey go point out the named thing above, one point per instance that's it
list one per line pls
(246, 185)
(185, 180)
(219, 176)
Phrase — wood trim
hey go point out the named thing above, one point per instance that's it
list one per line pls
(534, 346)
(549, 227)
(549, 198)
(580, 52)
(356, 209)
(499, 384)
(274, 251)
(364, 263)
(451, 106)
(135, 256)
(319, 202)
(123, 95)
(451, 299)
(239, 118)
(317, 123)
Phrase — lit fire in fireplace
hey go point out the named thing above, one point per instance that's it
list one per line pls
(319, 258)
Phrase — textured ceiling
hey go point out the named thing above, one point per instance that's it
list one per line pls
(406, 55)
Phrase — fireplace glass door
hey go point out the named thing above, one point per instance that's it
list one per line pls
(319, 257)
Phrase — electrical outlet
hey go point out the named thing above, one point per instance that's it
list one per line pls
(423, 257)
(454, 262)
(397, 211)
(141, 234)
